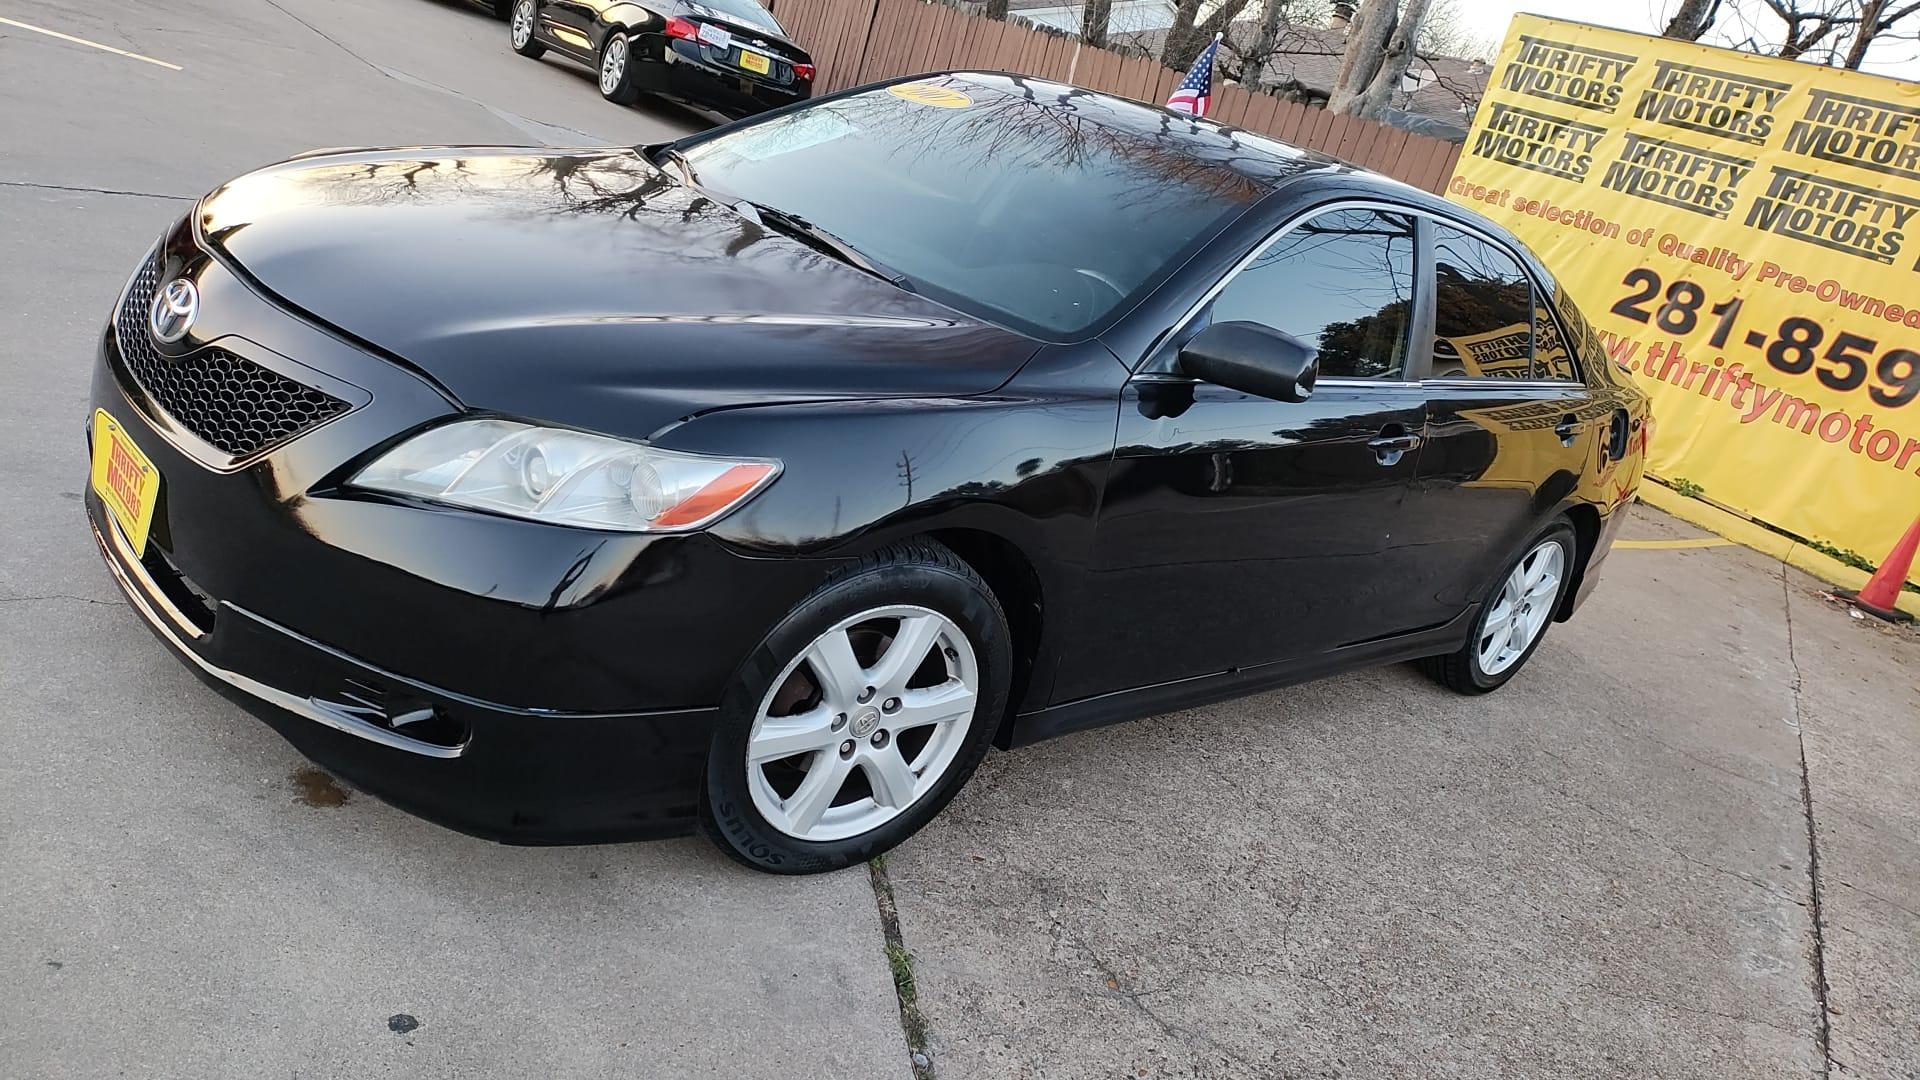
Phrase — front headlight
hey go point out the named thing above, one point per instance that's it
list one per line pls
(565, 477)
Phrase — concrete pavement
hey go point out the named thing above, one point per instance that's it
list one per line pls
(1607, 869)
(1600, 871)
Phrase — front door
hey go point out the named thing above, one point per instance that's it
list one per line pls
(1238, 530)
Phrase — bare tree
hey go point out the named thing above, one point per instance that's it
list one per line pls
(1691, 19)
(1380, 47)
(1834, 32)
(1806, 27)
(1444, 33)
(1879, 20)
(1266, 42)
(1189, 34)
(1284, 31)
(1094, 18)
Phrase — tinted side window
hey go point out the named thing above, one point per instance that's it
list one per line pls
(1341, 281)
(1483, 309)
(1552, 359)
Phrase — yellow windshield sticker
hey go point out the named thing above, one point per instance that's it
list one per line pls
(940, 97)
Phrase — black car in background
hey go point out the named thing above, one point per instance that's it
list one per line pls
(729, 57)
(767, 478)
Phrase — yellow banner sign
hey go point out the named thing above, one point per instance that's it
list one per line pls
(1744, 232)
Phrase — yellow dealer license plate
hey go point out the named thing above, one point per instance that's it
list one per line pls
(124, 479)
(755, 63)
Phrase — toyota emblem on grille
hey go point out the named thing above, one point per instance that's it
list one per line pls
(174, 311)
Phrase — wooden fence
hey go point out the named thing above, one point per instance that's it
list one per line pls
(860, 41)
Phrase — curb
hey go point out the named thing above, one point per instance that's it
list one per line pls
(1762, 539)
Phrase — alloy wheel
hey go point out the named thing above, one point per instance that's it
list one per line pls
(613, 66)
(522, 23)
(1523, 608)
(863, 723)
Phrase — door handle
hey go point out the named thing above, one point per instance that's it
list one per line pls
(1392, 442)
(1569, 428)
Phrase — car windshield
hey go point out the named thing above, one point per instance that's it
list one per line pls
(1043, 208)
(745, 11)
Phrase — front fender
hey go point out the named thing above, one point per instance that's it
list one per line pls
(860, 475)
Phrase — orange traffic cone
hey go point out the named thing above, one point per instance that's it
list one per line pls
(1882, 595)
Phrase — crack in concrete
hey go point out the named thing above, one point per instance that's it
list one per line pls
(913, 1024)
(334, 40)
(539, 129)
(60, 596)
(94, 190)
(525, 123)
(1823, 1033)
(1190, 1038)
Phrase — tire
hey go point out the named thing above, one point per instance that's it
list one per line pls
(521, 19)
(1478, 668)
(760, 809)
(614, 71)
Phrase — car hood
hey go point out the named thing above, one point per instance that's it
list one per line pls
(585, 287)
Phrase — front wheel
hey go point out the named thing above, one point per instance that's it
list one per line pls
(860, 715)
(1513, 617)
(616, 70)
(520, 31)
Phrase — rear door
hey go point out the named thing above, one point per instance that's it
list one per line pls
(1237, 530)
(570, 23)
(1511, 425)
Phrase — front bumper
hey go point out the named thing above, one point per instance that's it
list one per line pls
(514, 775)
(510, 679)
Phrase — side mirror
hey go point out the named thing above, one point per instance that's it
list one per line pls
(1252, 359)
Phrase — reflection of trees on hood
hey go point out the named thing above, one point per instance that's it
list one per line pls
(596, 185)
(380, 182)
(614, 184)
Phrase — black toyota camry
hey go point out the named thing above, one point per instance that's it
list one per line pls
(729, 57)
(767, 478)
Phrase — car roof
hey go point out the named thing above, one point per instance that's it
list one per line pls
(1262, 159)
(1269, 162)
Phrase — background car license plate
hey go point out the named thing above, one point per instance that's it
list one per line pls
(124, 479)
(755, 63)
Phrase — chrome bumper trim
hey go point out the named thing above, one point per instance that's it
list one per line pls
(146, 597)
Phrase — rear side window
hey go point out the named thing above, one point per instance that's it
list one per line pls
(1483, 310)
(1343, 282)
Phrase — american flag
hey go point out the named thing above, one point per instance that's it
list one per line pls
(1194, 95)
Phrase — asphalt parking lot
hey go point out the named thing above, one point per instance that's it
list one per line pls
(1684, 843)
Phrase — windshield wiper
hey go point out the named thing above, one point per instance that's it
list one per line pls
(668, 153)
(821, 240)
(789, 224)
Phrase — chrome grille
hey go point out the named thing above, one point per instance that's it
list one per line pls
(230, 402)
